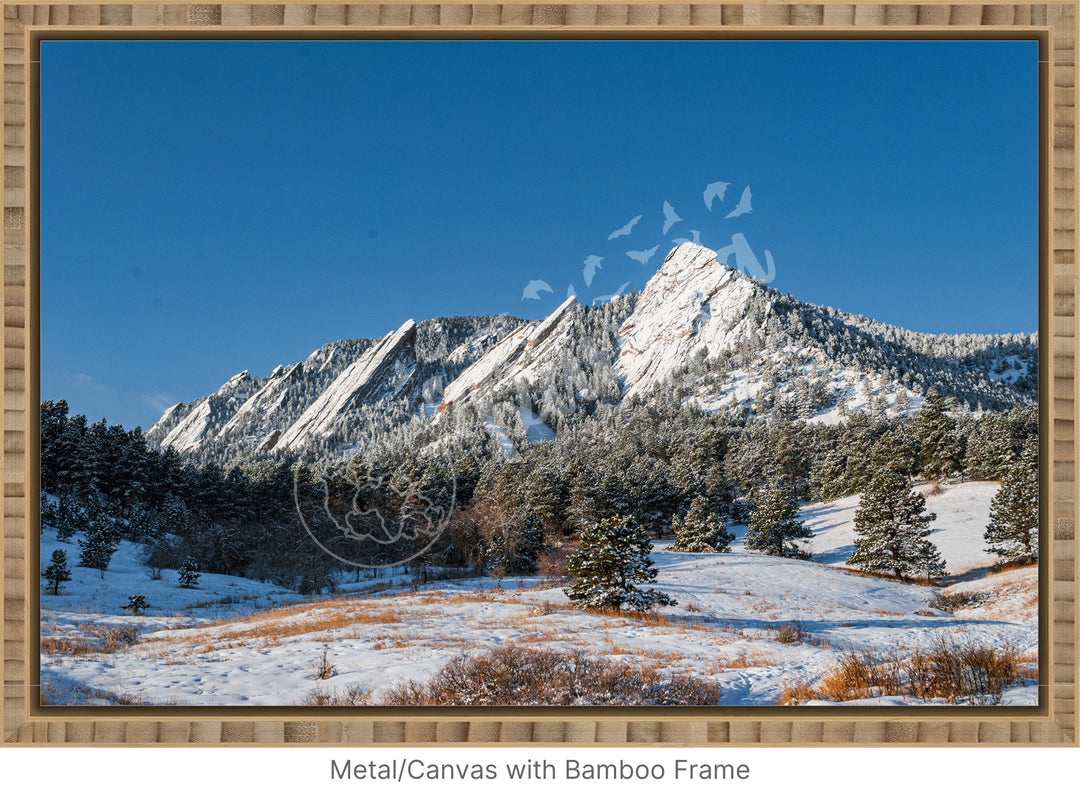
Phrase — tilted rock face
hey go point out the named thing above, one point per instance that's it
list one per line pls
(246, 408)
(205, 417)
(693, 302)
(266, 400)
(516, 356)
(390, 362)
(781, 356)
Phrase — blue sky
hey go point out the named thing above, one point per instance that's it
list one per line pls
(214, 207)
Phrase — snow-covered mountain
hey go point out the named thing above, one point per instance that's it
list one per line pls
(699, 333)
(350, 382)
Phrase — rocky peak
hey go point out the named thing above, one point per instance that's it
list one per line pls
(387, 361)
(692, 302)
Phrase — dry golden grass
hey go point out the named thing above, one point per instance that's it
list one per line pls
(646, 654)
(746, 659)
(796, 692)
(70, 647)
(908, 580)
(89, 639)
(543, 636)
(268, 628)
(946, 671)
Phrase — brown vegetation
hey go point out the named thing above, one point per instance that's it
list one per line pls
(957, 674)
(515, 675)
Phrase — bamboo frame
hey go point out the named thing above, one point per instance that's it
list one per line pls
(1055, 719)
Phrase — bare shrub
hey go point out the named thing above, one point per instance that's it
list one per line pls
(551, 563)
(951, 602)
(859, 676)
(324, 669)
(409, 693)
(794, 632)
(120, 637)
(978, 674)
(515, 675)
(350, 696)
(544, 608)
(970, 674)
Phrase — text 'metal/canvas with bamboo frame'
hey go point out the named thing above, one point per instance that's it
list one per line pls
(1053, 722)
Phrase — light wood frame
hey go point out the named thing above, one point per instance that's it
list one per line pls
(1054, 721)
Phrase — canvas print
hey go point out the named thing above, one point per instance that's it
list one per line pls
(489, 373)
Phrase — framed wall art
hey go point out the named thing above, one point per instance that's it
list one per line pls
(597, 374)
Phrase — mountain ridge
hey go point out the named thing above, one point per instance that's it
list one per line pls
(699, 332)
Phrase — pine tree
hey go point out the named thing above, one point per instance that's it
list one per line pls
(774, 524)
(189, 573)
(1013, 533)
(891, 529)
(612, 558)
(57, 571)
(136, 604)
(700, 530)
(941, 452)
(828, 476)
(48, 511)
(96, 549)
(69, 518)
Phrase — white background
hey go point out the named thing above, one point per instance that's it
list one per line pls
(905, 774)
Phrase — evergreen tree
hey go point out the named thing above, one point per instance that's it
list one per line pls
(512, 550)
(136, 604)
(1013, 533)
(57, 571)
(68, 518)
(612, 558)
(48, 511)
(189, 573)
(700, 530)
(891, 529)
(96, 549)
(828, 476)
(530, 542)
(990, 450)
(941, 451)
(774, 525)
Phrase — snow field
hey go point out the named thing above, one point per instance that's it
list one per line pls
(233, 641)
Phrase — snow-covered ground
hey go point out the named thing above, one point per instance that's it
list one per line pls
(233, 641)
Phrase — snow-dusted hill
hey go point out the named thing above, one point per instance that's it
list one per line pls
(236, 642)
(699, 330)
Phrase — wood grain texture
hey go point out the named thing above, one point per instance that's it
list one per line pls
(1057, 724)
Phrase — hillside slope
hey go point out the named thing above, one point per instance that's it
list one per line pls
(233, 641)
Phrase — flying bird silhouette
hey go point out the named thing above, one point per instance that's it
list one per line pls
(625, 230)
(642, 256)
(670, 218)
(697, 238)
(746, 260)
(743, 207)
(603, 299)
(592, 264)
(534, 288)
(715, 191)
